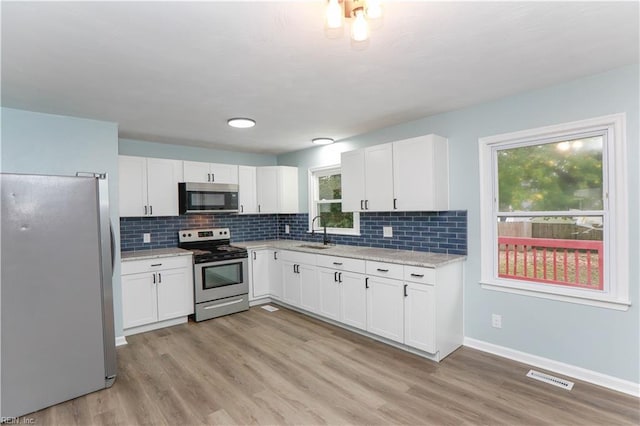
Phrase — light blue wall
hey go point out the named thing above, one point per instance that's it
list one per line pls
(597, 339)
(52, 144)
(177, 152)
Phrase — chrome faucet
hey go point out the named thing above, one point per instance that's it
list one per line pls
(325, 240)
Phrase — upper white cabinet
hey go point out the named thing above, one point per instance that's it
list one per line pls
(195, 171)
(148, 186)
(277, 189)
(248, 197)
(408, 175)
(421, 174)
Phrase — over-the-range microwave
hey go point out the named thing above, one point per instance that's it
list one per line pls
(197, 197)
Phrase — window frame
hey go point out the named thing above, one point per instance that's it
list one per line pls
(313, 194)
(615, 239)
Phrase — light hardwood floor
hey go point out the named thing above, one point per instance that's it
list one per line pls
(278, 368)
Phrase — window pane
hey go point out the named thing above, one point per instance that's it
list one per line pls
(331, 216)
(553, 250)
(330, 187)
(558, 176)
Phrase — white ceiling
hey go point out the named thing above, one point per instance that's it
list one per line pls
(176, 71)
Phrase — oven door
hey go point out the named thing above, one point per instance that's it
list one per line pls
(216, 280)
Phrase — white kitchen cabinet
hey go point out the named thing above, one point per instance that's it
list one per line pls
(148, 186)
(259, 273)
(247, 191)
(353, 299)
(277, 189)
(155, 291)
(290, 283)
(421, 174)
(329, 293)
(419, 316)
(275, 275)
(343, 295)
(309, 289)
(385, 308)
(407, 175)
(196, 171)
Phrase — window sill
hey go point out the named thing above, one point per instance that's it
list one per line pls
(333, 232)
(599, 302)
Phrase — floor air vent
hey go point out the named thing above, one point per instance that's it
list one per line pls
(269, 308)
(561, 383)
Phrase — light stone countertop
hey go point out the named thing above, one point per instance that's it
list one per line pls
(403, 257)
(153, 254)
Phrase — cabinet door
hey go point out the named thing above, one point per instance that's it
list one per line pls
(385, 308)
(275, 275)
(224, 173)
(353, 295)
(248, 202)
(291, 283)
(175, 293)
(421, 173)
(419, 317)
(196, 171)
(329, 293)
(287, 190)
(132, 185)
(379, 177)
(309, 289)
(267, 185)
(162, 184)
(139, 301)
(353, 187)
(259, 284)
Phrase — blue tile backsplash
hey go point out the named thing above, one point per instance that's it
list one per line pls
(437, 232)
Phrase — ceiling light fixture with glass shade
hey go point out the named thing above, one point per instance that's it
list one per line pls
(322, 141)
(241, 122)
(361, 13)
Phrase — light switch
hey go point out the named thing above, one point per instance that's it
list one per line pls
(387, 231)
(146, 238)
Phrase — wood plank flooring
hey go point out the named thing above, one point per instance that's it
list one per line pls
(279, 368)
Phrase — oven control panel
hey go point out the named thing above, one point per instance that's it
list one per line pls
(194, 235)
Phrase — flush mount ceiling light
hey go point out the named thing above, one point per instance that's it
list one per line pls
(241, 123)
(322, 141)
(361, 12)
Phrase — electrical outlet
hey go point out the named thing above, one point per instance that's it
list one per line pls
(146, 238)
(286, 229)
(387, 232)
(496, 321)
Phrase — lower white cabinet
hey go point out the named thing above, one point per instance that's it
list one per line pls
(385, 308)
(156, 290)
(343, 297)
(420, 316)
(290, 283)
(300, 286)
(259, 278)
(329, 293)
(275, 275)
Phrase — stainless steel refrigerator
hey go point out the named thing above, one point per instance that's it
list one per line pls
(56, 307)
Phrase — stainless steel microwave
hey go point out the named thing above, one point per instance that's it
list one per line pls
(207, 197)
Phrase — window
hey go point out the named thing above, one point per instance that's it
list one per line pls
(554, 212)
(325, 200)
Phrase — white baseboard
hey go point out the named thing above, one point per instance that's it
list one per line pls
(579, 373)
(121, 341)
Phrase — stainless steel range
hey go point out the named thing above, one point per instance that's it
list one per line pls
(220, 272)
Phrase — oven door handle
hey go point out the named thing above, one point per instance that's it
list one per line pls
(220, 305)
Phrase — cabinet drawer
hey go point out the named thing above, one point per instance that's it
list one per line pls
(418, 274)
(342, 263)
(387, 270)
(149, 265)
(297, 257)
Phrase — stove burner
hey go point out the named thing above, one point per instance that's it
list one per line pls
(210, 245)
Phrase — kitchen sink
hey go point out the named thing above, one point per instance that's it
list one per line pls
(314, 246)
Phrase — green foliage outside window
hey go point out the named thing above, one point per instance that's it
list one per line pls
(330, 188)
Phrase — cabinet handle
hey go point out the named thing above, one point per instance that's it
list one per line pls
(150, 210)
(383, 270)
(366, 283)
(159, 277)
(156, 264)
(417, 275)
(405, 290)
(241, 208)
(145, 210)
(339, 277)
(213, 177)
(208, 177)
(154, 278)
(275, 255)
(254, 255)
(258, 208)
(335, 277)
(361, 204)
(395, 207)
(366, 204)
(337, 263)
